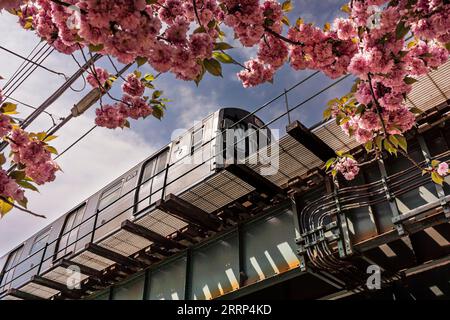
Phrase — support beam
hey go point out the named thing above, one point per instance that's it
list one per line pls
(114, 256)
(151, 235)
(312, 142)
(188, 212)
(71, 293)
(254, 179)
(22, 295)
(91, 272)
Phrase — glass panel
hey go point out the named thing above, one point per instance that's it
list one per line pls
(110, 196)
(131, 290)
(162, 161)
(197, 137)
(215, 269)
(167, 282)
(269, 247)
(40, 242)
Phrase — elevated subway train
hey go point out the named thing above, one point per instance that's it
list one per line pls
(185, 162)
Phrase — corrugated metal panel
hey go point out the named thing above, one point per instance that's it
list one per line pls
(38, 290)
(92, 260)
(217, 191)
(125, 243)
(61, 275)
(161, 222)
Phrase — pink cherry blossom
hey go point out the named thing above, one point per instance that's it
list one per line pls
(442, 169)
(133, 86)
(348, 167)
(97, 78)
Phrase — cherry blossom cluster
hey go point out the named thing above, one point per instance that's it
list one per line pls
(31, 152)
(133, 104)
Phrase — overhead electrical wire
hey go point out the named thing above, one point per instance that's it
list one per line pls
(33, 62)
(22, 64)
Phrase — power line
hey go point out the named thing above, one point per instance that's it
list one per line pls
(19, 69)
(32, 62)
(54, 96)
(75, 142)
(27, 73)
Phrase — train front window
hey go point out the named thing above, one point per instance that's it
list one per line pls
(69, 234)
(40, 241)
(110, 195)
(13, 259)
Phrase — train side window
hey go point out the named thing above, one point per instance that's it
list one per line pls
(69, 233)
(13, 260)
(110, 195)
(197, 139)
(39, 241)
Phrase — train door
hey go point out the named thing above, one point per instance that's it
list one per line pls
(151, 182)
(68, 238)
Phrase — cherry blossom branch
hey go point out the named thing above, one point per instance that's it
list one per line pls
(67, 5)
(407, 156)
(281, 37)
(196, 13)
(22, 209)
(377, 104)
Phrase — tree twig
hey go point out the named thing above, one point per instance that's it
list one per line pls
(22, 209)
(281, 37)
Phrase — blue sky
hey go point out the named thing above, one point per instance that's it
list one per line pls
(105, 154)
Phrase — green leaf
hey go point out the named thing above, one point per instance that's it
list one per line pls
(17, 175)
(213, 67)
(41, 135)
(23, 202)
(27, 185)
(156, 94)
(286, 21)
(5, 207)
(8, 107)
(287, 6)
(437, 178)
(435, 163)
(50, 138)
(401, 30)
(402, 142)
(393, 140)
(96, 47)
(447, 46)
(368, 145)
(327, 113)
(222, 46)
(379, 142)
(339, 153)
(409, 80)
(137, 73)
(345, 8)
(223, 57)
(2, 159)
(149, 77)
(51, 149)
(141, 61)
(389, 147)
(329, 163)
(299, 22)
(158, 112)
